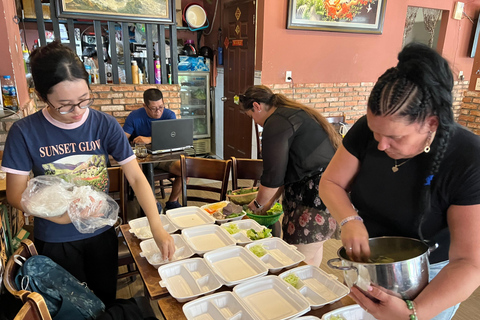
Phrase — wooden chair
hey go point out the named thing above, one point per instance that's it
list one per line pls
(118, 191)
(34, 308)
(250, 169)
(26, 250)
(160, 176)
(336, 121)
(211, 169)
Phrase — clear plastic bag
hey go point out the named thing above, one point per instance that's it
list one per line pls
(51, 196)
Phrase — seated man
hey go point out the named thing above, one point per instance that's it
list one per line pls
(138, 128)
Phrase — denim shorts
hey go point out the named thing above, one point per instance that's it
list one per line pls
(450, 312)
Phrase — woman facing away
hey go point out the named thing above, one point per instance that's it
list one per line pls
(70, 139)
(297, 145)
(409, 170)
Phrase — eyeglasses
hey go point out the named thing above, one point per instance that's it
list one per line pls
(65, 109)
(156, 109)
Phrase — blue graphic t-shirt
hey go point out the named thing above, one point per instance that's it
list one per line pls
(77, 152)
(138, 123)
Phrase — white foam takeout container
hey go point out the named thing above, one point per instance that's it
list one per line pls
(187, 279)
(152, 253)
(220, 221)
(307, 318)
(317, 286)
(265, 298)
(235, 264)
(279, 253)
(244, 225)
(353, 312)
(187, 217)
(207, 238)
(141, 228)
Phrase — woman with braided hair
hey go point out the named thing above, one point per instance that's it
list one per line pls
(297, 145)
(409, 170)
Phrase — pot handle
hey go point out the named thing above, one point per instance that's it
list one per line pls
(344, 268)
(433, 248)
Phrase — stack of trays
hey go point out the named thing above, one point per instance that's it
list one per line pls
(188, 279)
(265, 298)
(353, 312)
(153, 255)
(141, 228)
(279, 254)
(317, 286)
(244, 225)
(207, 238)
(187, 217)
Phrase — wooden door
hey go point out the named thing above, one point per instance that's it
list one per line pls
(238, 40)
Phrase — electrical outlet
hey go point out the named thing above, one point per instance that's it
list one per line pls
(288, 76)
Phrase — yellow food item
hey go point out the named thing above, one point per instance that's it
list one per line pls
(214, 207)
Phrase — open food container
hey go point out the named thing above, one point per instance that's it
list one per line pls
(141, 227)
(317, 286)
(216, 210)
(242, 196)
(187, 217)
(187, 279)
(235, 264)
(307, 318)
(152, 253)
(207, 238)
(240, 228)
(353, 312)
(266, 298)
(276, 253)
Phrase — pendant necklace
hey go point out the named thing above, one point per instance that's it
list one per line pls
(395, 167)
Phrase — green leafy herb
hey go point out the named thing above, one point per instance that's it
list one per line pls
(258, 250)
(276, 209)
(254, 235)
(232, 228)
(292, 279)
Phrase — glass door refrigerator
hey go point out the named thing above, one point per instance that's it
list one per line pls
(195, 95)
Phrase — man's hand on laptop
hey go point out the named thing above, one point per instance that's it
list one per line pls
(142, 139)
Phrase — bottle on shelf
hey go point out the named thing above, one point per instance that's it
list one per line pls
(158, 72)
(140, 76)
(135, 79)
(9, 94)
(108, 72)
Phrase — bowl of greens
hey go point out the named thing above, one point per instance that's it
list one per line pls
(242, 196)
(267, 218)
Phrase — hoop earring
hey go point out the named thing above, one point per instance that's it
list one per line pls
(427, 145)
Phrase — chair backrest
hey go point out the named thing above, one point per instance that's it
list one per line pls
(337, 121)
(118, 190)
(26, 250)
(250, 169)
(211, 169)
(34, 308)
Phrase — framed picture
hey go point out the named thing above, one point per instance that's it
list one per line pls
(358, 16)
(141, 11)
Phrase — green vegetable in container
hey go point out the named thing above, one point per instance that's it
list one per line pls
(232, 228)
(292, 279)
(336, 318)
(254, 235)
(276, 209)
(258, 250)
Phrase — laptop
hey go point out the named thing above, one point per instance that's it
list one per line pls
(171, 135)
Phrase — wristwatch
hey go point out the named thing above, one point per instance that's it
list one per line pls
(257, 205)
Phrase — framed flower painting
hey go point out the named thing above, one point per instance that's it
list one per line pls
(358, 16)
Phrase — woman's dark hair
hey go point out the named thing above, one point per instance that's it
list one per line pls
(152, 94)
(419, 86)
(263, 94)
(55, 63)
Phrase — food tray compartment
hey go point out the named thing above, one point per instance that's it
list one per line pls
(141, 228)
(188, 279)
(221, 204)
(235, 264)
(207, 238)
(217, 306)
(271, 298)
(152, 253)
(187, 217)
(317, 286)
(307, 318)
(279, 254)
(353, 312)
(243, 225)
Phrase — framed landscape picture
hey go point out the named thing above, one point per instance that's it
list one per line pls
(358, 16)
(142, 11)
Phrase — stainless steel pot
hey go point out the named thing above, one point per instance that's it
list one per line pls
(405, 277)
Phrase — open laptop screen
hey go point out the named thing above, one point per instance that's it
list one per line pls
(173, 134)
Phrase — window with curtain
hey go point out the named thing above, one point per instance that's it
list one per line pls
(422, 25)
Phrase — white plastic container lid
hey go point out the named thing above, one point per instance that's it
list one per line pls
(271, 298)
(279, 254)
(187, 217)
(187, 279)
(141, 228)
(153, 255)
(243, 225)
(207, 238)
(307, 318)
(353, 312)
(235, 264)
(317, 286)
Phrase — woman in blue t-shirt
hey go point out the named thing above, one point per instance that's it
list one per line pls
(68, 139)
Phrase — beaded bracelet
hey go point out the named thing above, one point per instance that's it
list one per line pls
(350, 219)
(411, 306)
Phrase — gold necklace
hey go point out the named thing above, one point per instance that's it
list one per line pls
(395, 167)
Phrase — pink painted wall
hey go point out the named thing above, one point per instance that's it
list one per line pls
(318, 56)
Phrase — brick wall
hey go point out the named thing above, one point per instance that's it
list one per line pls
(470, 112)
(350, 99)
